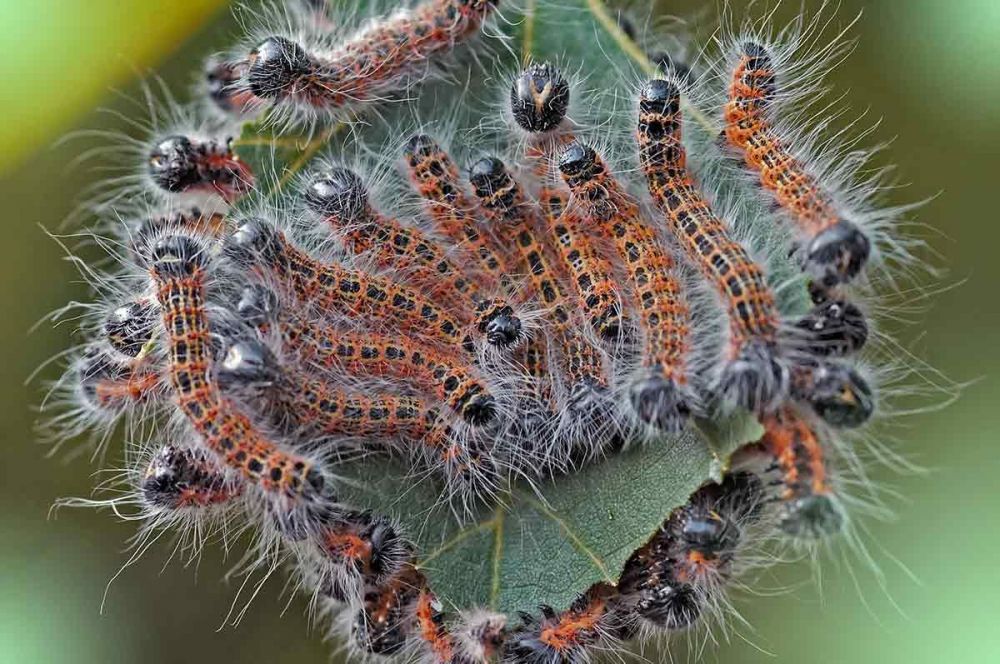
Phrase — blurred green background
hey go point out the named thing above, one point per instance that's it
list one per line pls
(928, 67)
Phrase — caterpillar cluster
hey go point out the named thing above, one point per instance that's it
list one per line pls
(544, 305)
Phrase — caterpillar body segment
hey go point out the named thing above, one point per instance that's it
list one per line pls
(178, 271)
(334, 289)
(432, 630)
(664, 320)
(808, 507)
(754, 375)
(385, 623)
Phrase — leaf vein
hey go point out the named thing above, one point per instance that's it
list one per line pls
(574, 538)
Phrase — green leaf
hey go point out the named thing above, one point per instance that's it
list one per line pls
(548, 543)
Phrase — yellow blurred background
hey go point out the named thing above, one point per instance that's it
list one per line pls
(929, 68)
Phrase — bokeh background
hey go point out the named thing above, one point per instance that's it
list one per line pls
(929, 68)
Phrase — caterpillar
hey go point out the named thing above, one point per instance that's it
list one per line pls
(808, 505)
(448, 377)
(179, 478)
(754, 375)
(658, 397)
(835, 249)
(589, 623)
(375, 62)
(181, 164)
(340, 197)
(506, 206)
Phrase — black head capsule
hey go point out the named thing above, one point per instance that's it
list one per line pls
(94, 367)
(503, 329)
(130, 327)
(660, 403)
(254, 241)
(248, 364)
(488, 176)
(274, 67)
(177, 477)
(578, 163)
(709, 533)
(338, 194)
(812, 517)
(257, 305)
(539, 98)
(493, 185)
(420, 145)
(839, 395)
(756, 379)
(660, 97)
(833, 328)
(174, 164)
(837, 254)
(176, 255)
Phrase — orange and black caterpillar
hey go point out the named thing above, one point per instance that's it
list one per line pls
(754, 375)
(318, 407)
(371, 64)
(336, 290)
(362, 545)
(178, 273)
(663, 316)
(835, 249)
(669, 582)
(808, 505)
(435, 178)
(836, 392)
(590, 622)
(111, 385)
(385, 622)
